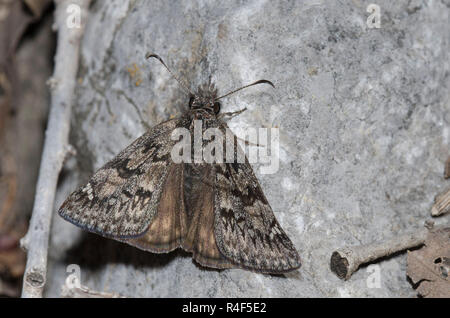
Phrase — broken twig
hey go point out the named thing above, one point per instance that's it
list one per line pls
(84, 292)
(345, 261)
(63, 82)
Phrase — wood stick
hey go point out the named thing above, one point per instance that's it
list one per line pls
(82, 291)
(345, 261)
(62, 88)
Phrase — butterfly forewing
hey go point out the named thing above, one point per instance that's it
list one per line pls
(247, 231)
(121, 198)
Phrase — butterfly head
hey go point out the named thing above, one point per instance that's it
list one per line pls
(205, 99)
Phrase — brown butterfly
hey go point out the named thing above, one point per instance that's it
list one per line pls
(217, 211)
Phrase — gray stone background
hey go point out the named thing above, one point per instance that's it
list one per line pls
(364, 118)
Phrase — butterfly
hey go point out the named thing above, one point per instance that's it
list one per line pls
(216, 211)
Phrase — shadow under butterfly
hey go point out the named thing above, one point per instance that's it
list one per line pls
(216, 211)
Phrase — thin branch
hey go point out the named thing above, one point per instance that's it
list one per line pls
(345, 261)
(82, 291)
(62, 83)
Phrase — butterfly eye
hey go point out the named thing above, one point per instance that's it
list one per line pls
(217, 107)
(191, 101)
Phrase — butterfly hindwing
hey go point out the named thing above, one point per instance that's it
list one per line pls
(200, 238)
(167, 229)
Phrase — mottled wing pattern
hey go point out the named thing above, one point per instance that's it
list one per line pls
(122, 197)
(246, 229)
(216, 211)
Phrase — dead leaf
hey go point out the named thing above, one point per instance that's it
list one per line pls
(37, 6)
(429, 266)
(12, 263)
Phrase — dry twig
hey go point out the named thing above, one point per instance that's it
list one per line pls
(84, 292)
(345, 261)
(63, 82)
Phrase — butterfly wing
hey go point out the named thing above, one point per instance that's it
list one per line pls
(199, 198)
(246, 229)
(121, 198)
(168, 227)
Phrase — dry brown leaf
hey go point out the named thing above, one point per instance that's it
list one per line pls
(429, 266)
(37, 6)
(12, 266)
(12, 263)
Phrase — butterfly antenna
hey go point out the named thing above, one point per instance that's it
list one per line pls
(263, 81)
(149, 55)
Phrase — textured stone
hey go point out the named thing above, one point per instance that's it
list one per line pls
(364, 118)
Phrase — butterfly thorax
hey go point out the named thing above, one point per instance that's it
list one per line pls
(204, 104)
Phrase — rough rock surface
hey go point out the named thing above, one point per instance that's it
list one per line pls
(364, 118)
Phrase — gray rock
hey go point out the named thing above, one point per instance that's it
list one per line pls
(364, 118)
